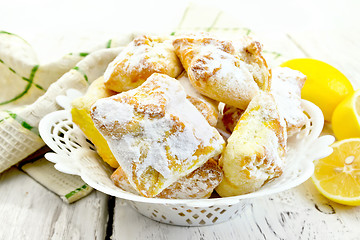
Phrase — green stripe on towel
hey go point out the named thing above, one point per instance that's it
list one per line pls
(22, 122)
(69, 195)
(83, 73)
(108, 45)
(28, 86)
(83, 54)
(23, 78)
(5, 32)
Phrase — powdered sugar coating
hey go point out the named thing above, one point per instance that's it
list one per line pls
(286, 88)
(223, 73)
(163, 138)
(144, 56)
(256, 149)
(207, 106)
(217, 69)
(198, 184)
(230, 117)
(250, 52)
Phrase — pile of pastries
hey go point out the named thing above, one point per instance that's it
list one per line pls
(156, 115)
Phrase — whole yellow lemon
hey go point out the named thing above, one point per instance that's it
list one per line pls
(346, 117)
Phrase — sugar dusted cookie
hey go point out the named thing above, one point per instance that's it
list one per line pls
(249, 51)
(206, 106)
(230, 117)
(156, 134)
(144, 56)
(197, 184)
(80, 113)
(232, 72)
(256, 149)
(286, 88)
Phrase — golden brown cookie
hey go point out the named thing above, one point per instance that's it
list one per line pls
(232, 72)
(286, 88)
(198, 184)
(230, 117)
(144, 56)
(206, 106)
(80, 113)
(156, 135)
(256, 149)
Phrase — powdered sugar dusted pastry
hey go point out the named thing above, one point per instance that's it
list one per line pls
(156, 134)
(207, 106)
(144, 56)
(80, 113)
(286, 88)
(230, 117)
(198, 184)
(249, 51)
(121, 180)
(223, 70)
(255, 150)
(95, 91)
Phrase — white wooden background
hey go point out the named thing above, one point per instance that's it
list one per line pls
(325, 30)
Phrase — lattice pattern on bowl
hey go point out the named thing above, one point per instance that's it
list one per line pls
(186, 215)
(74, 154)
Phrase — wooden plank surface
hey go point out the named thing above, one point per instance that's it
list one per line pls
(29, 211)
(300, 213)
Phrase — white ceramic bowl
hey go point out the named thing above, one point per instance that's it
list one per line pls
(73, 154)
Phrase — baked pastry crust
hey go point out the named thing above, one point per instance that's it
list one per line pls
(156, 134)
(286, 88)
(95, 91)
(144, 56)
(256, 149)
(206, 106)
(250, 51)
(198, 184)
(80, 113)
(232, 72)
(230, 117)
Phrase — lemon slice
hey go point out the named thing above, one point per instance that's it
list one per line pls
(337, 176)
(346, 117)
(325, 85)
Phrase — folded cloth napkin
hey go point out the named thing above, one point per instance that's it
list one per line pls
(28, 92)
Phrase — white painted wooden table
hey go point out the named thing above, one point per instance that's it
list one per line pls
(325, 30)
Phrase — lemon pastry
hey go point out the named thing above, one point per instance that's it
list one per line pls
(255, 150)
(144, 56)
(155, 133)
(207, 106)
(230, 117)
(198, 184)
(232, 72)
(80, 113)
(286, 88)
(250, 51)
